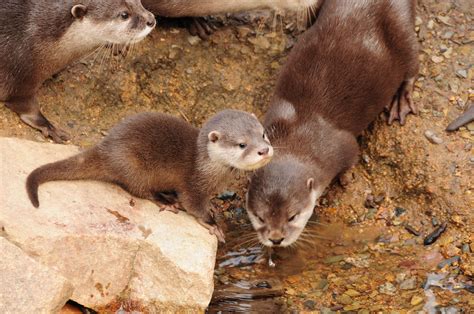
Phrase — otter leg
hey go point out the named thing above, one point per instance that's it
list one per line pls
(402, 103)
(198, 206)
(30, 113)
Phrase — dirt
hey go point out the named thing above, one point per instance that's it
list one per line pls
(361, 252)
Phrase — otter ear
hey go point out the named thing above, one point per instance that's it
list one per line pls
(310, 184)
(214, 136)
(79, 11)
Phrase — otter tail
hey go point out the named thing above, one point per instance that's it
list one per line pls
(86, 165)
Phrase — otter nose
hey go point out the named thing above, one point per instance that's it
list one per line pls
(264, 151)
(277, 241)
(150, 20)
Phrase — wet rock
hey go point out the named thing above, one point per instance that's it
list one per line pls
(92, 236)
(27, 286)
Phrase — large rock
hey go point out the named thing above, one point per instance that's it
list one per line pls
(116, 252)
(27, 286)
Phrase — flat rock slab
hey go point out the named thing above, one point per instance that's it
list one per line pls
(26, 286)
(116, 252)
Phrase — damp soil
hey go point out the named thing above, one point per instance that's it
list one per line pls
(364, 250)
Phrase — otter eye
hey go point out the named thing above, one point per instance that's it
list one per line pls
(292, 218)
(242, 145)
(124, 15)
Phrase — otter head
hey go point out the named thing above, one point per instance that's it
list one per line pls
(237, 139)
(281, 199)
(112, 21)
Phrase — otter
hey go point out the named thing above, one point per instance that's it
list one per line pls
(463, 119)
(38, 38)
(358, 58)
(157, 156)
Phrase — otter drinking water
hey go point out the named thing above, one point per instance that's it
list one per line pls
(152, 154)
(40, 37)
(359, 57)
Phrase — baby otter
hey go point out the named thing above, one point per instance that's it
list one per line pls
(154, 154)
(359, 57)
(40, 37)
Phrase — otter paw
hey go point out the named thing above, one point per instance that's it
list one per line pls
(213, 229)
(402, 103)
(202, 27)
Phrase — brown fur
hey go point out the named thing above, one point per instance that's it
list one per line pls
(351, 64)
(152, 154)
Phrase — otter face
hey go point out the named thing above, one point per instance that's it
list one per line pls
(113, 21)
(280, 200)
(240, 141)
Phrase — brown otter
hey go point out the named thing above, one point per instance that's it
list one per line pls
(341, 74)
(153, 154)
(40, 37)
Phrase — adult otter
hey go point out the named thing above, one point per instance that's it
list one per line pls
(341, 74)
(153, 154)
(40, 37)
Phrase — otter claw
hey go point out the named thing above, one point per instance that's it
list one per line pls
(214, 229)
(402, 103)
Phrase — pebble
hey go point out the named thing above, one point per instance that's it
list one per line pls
(466, 248)
(408, 284)
(433, 236)
(432, 137)
(227, 195)
(437, 59)
(309, 305)
(416, 299)
(448, 35)
(334, 259)
(462, 73)
(399, 211)
(194, 40)
(260, 42)
(344, 299)
(387, 288)
(352, 293)
(412, 230)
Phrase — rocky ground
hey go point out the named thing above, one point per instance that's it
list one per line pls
(365, 250)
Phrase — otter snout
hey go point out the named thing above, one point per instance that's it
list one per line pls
(277, 241)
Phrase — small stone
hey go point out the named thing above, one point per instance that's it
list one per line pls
(408, 284)
(432, 137)
(309, 305)
(387, 288)
(415, 300)
(418, 21)
(399, 211)
(462, 73)
(448, 35)
(260, 42)
(430, 24)
(227, 195)
(448, 52)
(194, 40)
(449, 261)
(344, 299)
(437, 59)
(334, 259)
(465, 248)
(352, 293)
